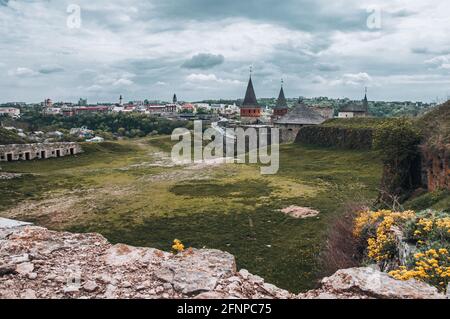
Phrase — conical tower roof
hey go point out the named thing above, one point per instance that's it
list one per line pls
(250, 96)
(281, 101)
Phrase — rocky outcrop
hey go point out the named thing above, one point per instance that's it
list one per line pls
(436, 168)
(367, 283)
(38, 263)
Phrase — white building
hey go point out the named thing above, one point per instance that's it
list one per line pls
(11, 111)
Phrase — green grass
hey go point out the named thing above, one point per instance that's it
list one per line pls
(229, 207)
(368, 122)
(438, 200)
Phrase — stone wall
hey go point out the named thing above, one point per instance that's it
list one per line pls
(288, 133)
(26, 152)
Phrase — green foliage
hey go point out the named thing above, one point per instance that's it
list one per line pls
(346, 138)
(10, 137)
(396, 140)
(123, 124)
(439, 200)
(356, 122)
(435, 127)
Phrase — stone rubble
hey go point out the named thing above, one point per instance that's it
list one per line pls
(38, 263)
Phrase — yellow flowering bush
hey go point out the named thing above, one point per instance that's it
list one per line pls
(177, 246)
(377, 228)
(429, 227)
(428, 230)
(431, 266)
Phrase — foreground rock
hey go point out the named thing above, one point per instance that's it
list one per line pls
(38, 263)
(369, 283)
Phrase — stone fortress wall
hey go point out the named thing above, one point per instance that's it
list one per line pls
(27, 152)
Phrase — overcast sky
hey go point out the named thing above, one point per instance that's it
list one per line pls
(201, 49)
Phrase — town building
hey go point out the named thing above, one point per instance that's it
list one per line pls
(82, 102)
(353, 109)
(48, 103)
(10, 111)
(71, 111)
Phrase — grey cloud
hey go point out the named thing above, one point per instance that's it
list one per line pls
(306, 15)
(328, 67)
(203, 61)
(403, 13)
(49, 69)
(424, 50)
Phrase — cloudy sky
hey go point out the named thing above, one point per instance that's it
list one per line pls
(200, 49)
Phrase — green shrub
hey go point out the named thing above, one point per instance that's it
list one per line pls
(346, 138)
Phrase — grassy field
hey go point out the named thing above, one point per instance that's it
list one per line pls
(129, 192)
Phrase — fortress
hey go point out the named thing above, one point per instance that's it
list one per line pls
(27, 152)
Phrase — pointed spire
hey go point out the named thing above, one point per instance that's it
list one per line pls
(281, 101)
(250, 96)
(365, 101)
(174, 100)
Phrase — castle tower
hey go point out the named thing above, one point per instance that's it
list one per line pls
(281, 108)
(250, 110)
(120, 100)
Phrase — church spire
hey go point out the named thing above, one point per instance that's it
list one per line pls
(365, 101)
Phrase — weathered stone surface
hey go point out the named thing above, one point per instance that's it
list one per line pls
(10, 223)
(366, 282)
(24, 268)
(120, 255)
(197, 270)
(90, 285)
(65, 265)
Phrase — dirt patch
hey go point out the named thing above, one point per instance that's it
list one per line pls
(299, 212)
(9, 175)
(61, 209)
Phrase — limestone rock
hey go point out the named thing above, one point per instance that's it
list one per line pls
(121, 255)
(366, 282)
(197, 270)
(24, 268)
(90, 286)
